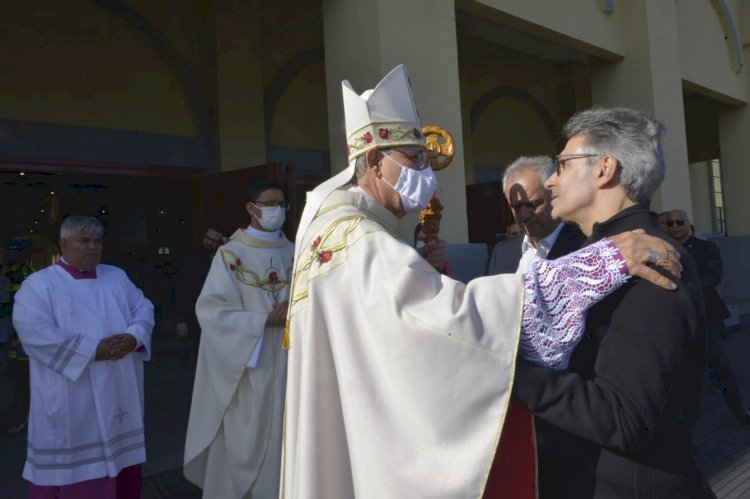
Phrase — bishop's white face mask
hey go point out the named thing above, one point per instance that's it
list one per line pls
(271, 217)
(416, 187)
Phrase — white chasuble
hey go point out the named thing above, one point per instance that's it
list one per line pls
(399, 377)
(233, 445)
(86, 416)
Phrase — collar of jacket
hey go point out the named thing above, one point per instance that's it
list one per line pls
(635, 217)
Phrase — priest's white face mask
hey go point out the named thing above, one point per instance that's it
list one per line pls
(416, 185)
(271, 217)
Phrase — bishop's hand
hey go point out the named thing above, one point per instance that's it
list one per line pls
(640, 251)
(434, 253)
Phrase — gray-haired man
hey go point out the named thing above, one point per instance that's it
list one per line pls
(618, 420)
(543, 236)
(87, 331)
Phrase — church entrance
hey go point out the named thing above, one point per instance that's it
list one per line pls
(148, 221)
(152, 217)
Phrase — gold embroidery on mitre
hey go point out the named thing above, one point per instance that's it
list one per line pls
(384, 135)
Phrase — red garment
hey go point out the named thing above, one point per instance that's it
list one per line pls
(448, 270)
(127, 485)
(513, 472)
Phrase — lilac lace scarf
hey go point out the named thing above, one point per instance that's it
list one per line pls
(557, 295)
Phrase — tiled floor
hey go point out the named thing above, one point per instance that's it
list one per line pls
(722, 446)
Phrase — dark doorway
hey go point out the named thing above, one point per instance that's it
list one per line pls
(153, 217)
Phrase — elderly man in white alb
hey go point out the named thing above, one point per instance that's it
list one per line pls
(87, 330)
(399, 377)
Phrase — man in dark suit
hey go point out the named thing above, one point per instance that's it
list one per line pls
(543, 236)
(619, 418)
(707, 258)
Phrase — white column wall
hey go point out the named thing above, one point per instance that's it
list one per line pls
(734, 137)
(363, 42)
(648, 78)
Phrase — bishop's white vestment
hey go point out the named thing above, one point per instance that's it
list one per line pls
(86, 416)
(399, 378)
(233, 445)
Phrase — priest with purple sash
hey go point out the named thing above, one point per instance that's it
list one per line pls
(87, 330)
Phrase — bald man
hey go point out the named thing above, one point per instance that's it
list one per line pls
(707, 259)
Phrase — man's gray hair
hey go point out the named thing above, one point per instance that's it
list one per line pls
(541, 165)
(77, 223)
(631, 136)
(360, 166)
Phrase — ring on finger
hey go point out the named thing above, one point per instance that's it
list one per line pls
(654, 257)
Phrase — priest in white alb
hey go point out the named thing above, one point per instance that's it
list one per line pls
(399, 378)
(87, 330)
(233, 445)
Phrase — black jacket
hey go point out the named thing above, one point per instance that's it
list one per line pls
(707, 258)
(617, 423)
(507, 254)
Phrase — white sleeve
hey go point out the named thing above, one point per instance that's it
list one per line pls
(142, 318)
(63, 351)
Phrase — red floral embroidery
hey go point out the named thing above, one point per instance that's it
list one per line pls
(316, 242)
(273, 277)
(367, 137)
(383, 132)
(232, 267)
(417, 133)
(325, 256)
(238, 262)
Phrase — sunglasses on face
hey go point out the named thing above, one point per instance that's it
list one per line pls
(672, 223)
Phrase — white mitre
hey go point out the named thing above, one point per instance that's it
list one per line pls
(382, 117)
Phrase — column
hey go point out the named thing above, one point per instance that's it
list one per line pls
(363, 42)
(648, 78)
(734, 131)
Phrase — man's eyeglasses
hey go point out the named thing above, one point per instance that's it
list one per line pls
(672, 223)
(560, 160)
(272, 204)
